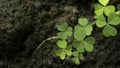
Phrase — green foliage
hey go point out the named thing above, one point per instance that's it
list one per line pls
(101, 21)
(80, 37)
(107, 18)
(83, 21)
(64, 49)
(103, 2)
(81, 42)
(62, 44)
(109, 31)
(103, 8)
(65, 31)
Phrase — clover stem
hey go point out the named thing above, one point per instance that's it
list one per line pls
(52, 38)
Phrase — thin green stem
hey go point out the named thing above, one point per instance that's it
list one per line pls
(52, 38)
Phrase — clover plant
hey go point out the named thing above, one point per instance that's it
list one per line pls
(80, 36)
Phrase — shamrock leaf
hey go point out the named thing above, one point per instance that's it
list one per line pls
(83, 21)
(88, 47)
(88, 29)
(109, 9)
(113, 19)
(62, 43)
(80, 34)
(90, 40)
(68, 50)
(109, 31)
(98, 9)
(103, 2)
(69, 31)
(76, 60)
(80, 48)
(60, 53)
(62, 35)
(75, 54)
(62, 27)
(101, 22)
(75, 44)
(65, 34)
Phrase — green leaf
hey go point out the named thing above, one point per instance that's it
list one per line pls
(75, 44)
(60, 53)
(77, 27)
(81, 57)
(88, 29)
(76, 60)
(109, 9)
(80, 34)
(83, 21)
(113, 19)
(103, 2)
(101, 21)
(69, 48)
(68, 52)
(90, 40)
(62, 35)
(62, 27)
(69, 31)
(98, 9)
(109, 31)
(62, 56)
(62, 43)
(88, 47)
(75, 54)
(80, 48)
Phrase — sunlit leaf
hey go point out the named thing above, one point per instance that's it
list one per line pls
(88, 29)
(69, 31)
(103, 2)
(90, 40)
(98, 9)
(113, 19)
(109, 9)
(62, 27)
(80, 48)
(60, 53)
(62, 35)
(101, 21)
(80, 34)
(83, 21)
(109, 31)
(68, 52)
(88, 47)
(62, 43)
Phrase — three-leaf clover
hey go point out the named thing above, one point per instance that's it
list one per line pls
(64, 49)
(83, 29)
(65, 31)
(84, 45)
(108, 29)
(77, 57)
(103, 8)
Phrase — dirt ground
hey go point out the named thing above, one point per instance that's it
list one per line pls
(24, 24)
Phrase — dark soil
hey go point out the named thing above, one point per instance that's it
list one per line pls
(24, 24)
